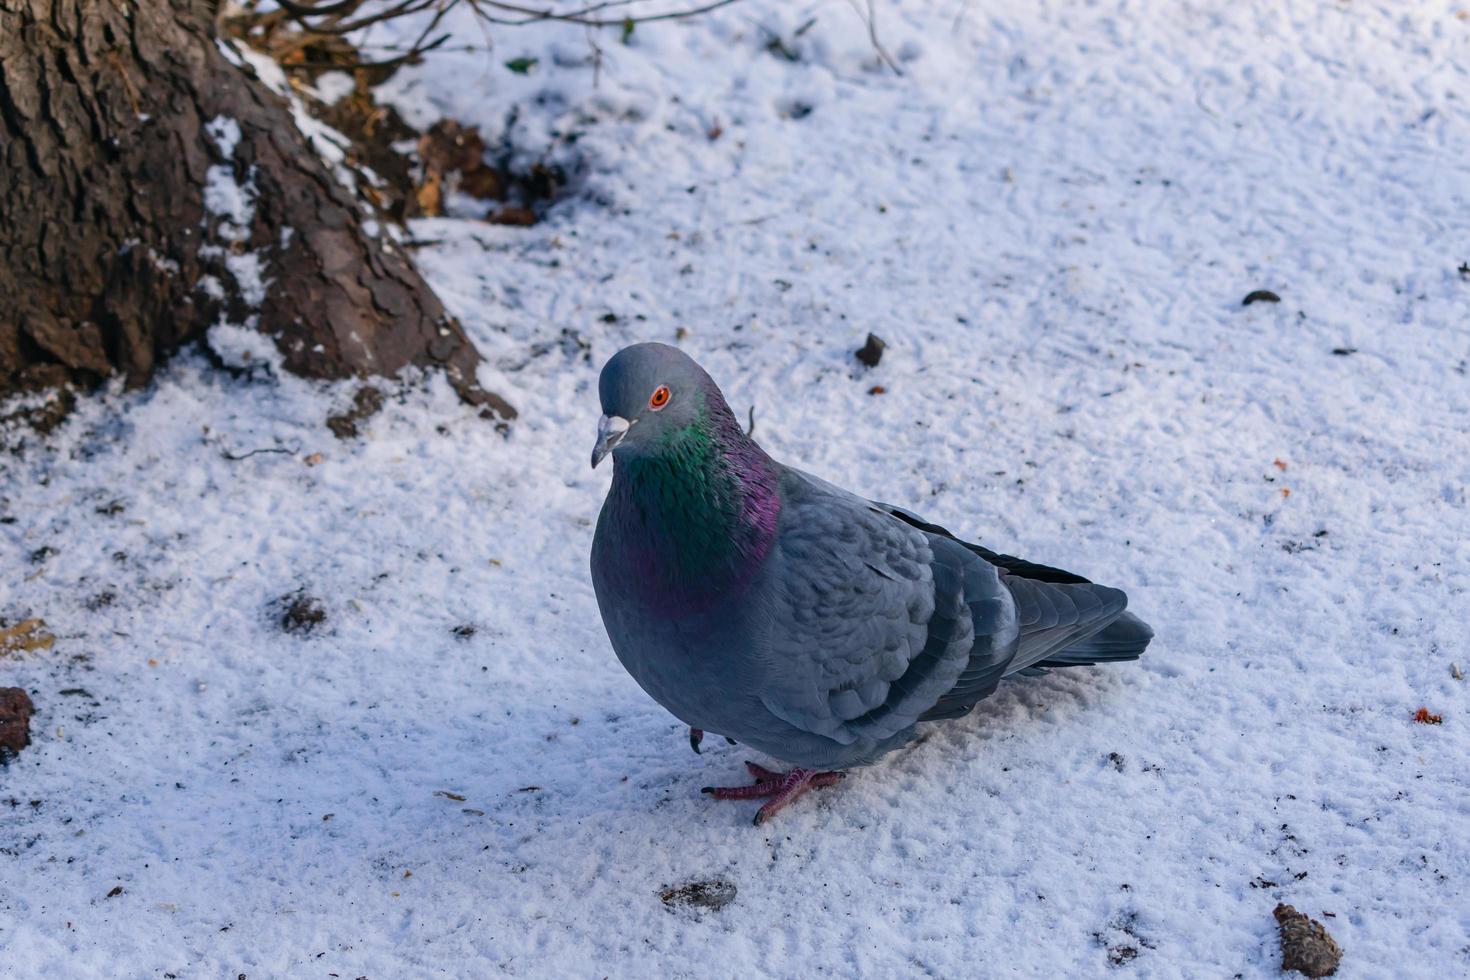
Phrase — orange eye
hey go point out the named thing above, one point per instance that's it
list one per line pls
(660, 397)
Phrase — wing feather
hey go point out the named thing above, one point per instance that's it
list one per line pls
(871, 631)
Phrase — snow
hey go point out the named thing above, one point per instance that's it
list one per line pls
(231, 201)
(224, 196)
(1051, 217)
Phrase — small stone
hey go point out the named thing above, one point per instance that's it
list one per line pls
(1305, 945)
(872, 350)
(16, 709)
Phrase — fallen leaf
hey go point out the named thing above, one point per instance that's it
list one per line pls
(1286, 491)
(449, 796)
(430, 197)
(26, 636)
(313, 459)
(116, 891)
(514, 215)
(522, 66)
(1423, 717)
(1280, 464)
(877, 390)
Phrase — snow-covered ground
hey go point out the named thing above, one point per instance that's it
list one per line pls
(1052, 218)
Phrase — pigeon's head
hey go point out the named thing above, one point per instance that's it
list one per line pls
(648, 392)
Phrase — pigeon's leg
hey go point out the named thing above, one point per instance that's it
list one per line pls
(781, 787)
(696, 735)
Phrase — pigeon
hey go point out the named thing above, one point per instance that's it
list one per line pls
(820, 628)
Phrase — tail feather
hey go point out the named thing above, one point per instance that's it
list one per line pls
(1125, 638)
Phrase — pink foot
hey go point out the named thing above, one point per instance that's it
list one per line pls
(781, 787)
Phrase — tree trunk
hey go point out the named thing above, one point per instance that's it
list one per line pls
(150, 188)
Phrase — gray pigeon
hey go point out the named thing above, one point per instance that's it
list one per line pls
(759, 602)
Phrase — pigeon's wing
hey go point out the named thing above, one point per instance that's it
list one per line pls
(1010, 564)
(1063, 619)
(872, 627)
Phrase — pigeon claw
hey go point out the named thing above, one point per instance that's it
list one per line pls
(780, 787)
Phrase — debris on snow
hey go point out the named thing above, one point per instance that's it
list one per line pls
(303, 613)
(709, 895)
(365, 404)
(1306, 946)
(872, 350)
(16, 709)
(26, 636)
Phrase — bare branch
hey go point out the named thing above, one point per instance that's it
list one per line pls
(584, 15)
(299, 10)
(335, 18)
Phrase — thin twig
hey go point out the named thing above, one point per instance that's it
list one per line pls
(300, 10)
(401, 9)
(596, 58)
(531, 15)
(342, 17)
(254, 452)
(871, 19)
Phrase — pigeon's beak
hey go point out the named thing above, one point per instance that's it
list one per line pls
(610, 432)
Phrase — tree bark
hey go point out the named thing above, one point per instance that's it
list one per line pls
(149, 188)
